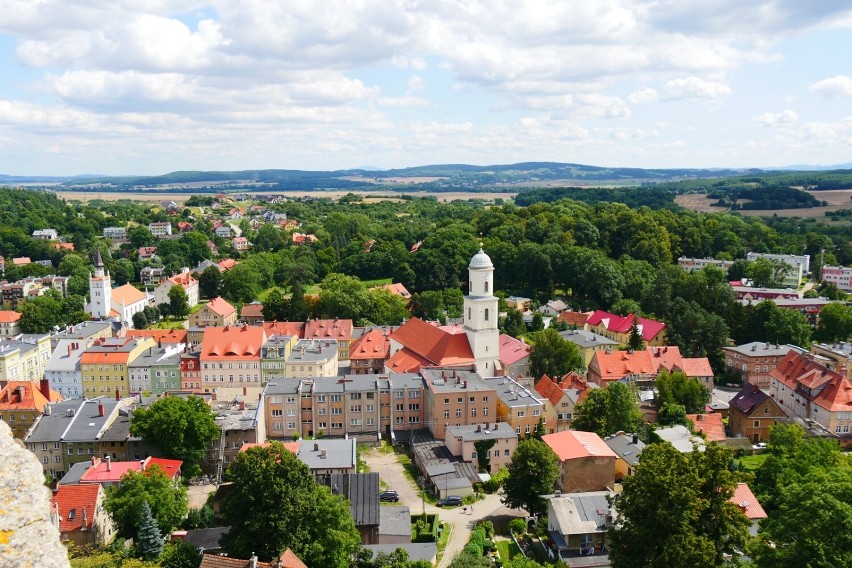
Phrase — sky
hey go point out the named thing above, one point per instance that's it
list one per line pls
(145, 87)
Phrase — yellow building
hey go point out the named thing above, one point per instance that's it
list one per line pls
(24, 358)
(105, 365)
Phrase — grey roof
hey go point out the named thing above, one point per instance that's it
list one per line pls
(229, 419)
(207, 539)
(87, 425)
(440, 469)
(49, 428)
(339, 453)
(61, 360)
(622, 444)
(362, 491)
(118, 431)
(453, 380)
(395, 521)
(580, 513)
(513, 394)
(450, 482)
(760, 349)
(416, 550)
(585, 339)
(75, 473)
(490, 431)
(312, 350)
(681, 438)
(80, 331)
(282, 386)
(167, 355)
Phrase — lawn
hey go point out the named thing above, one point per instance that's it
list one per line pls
(507, 549)
(443, 539)
(315, 289)
(169, 324)
(197, 306)
(753, 463)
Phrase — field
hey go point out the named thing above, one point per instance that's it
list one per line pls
(837, 199)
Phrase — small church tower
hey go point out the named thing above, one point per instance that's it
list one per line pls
(100, 290)
(480, 315)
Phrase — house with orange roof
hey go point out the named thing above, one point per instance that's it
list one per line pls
(105, 365)
(127, 301)
(644, 365)
(751, 507)
(417, 344)
(564, 395)
(303, 239)
(161, 336)
(185, 281)
(397, 289)
(514, 356)
(339, 330)
(230, 356)
(575, 320)
(698, 368)
(147, 253)
(804, 388)
(368, 353)
(217, 313)
(586, 462)
(79, 514)
(21, 261)
(618, 327)
(10, 323)
(296, 328)
(22, 402)
(226, 264)
(108, 473)
(67, 247)
(710, 425)
(287, 559)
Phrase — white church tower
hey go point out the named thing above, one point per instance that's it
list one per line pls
(480, 315)
(100, 290)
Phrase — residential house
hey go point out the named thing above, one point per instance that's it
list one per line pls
(223, 231)
(312, 358)
(514, 356)
(126, 302)
(184, 226)
(288, 559)
(519, 303)
(213, 248)
(22, 402)
(564, 396)
(751, 507)
(21, 261)
(190, 372)
(23, 357)
(578, 523)
(710, 425)
(274, 354)
(417, 344)
(586, 463)
(160, 228)
(252, 313)
(45, 234)
(644, 365)
(397, 289)
(799, 265)
(63, 369)
(240, 422)
(499, 438)
(574, 320)
(185, 281)
(216, 313)
(835, 356)
(588, 342)
(226, 264)
(752, 294)
(840, 276)
(78, 511)
(521, 407)
(67, 247)
(806, 389)
(368, 353)
(693, 264)
(240, 244)
(161, 336)
(107, 473)
(83, 331)
(362, 492)
(752, 414)
(105, 365)
(619, 328)
(156, 370)
(328, 456)
(681, 438)
(456, 398)
(627, 448)
(339, 330)
(303, 239)
(115, 233)
(150, 275)
(553, 308)
(230, 356)
(147, 253)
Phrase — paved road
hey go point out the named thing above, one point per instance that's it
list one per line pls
(391, 472)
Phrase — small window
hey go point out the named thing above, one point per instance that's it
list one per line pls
(486, 314)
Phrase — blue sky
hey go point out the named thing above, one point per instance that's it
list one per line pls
(152, 86)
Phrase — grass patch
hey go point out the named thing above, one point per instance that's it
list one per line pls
(507, 549)
(168, 324)
(752, 463)
(197, 306)
(443, 539)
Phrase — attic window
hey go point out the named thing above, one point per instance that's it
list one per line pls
(71, 514)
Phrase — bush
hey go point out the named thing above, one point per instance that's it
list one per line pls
(496, 482)
(473, 549)
(518, 526)
(488, 526)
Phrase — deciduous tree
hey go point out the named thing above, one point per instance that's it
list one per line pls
(553, 356)
(153, 487)
(609, 410)
(532, 472)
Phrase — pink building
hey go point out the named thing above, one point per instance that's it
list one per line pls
(840, 276)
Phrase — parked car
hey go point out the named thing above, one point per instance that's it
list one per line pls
(451, 501)
(389, 495)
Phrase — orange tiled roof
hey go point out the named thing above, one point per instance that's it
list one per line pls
(572, 444)
(554, 391)
(710, 424)
(9, 316)
(835, 389)
(549, 390)
(296, 328)
(160, 335)
(232, 342)
(220, 307)
(328, 329)
(696, 367)
(252, 311)
(127, 295)
(404, 361)
(183, 279)
(615, 365)
(76, 498)
(745, 498)
(574, 318)
(396, 288)
(433, 344)
(288, 559)
(33, 397)
(227, 264)
(375, 344)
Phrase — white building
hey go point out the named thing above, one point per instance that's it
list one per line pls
(480, 315)
(100, 291)
(693, 264)
(223, 231)
(160, 228)
(63, 368)
(185, 281)
(126, 302)
(46, 234)
(803, 261)
(115, 233)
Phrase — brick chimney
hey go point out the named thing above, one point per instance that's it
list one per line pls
(100, 409)
(44, 387)
(117, 395)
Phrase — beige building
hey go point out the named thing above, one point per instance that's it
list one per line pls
(499, 437)
(456, 398)
(10, 323)
(312, 358)
(521, 407)
(24, 357)
(216, 313)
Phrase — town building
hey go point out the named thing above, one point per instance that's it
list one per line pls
(500, 438)
(230, 356)
(185, 281)
(750, 506)
(808, 307)
(78, 511)
(840, 276)
(417, 344)
(588, 342)
(150, 275)
(681, 438)
(240, 244)
(480, 312)
(578, 524)
(46, 234)
(160, 228)
(564, 396)
(216, 313)
(618, 328)
(586, 463)
(100, 290)
(693, 264)
(521, 407)
(754, 295)
(23, 357)
(519, 303)
(709, 425)
(223, 231)
(368, 353)
(127, 301)
(328, 456)
(800, 265)
(806, 389)
(147, 253)
(835, 356)
(108, 473)
(644, 365)
(156, 370)
(63, 368)
(339, 330)
(514, 356)
(87, 330)
(312, 358)
(105, 365)
(161, 336)
(627, 448)
(274, 355)
(115, 233)
(240, 422)
(752, 413)
(457, 398)
(10, 323)
(753, 361)
(252, 313)
(22, 402)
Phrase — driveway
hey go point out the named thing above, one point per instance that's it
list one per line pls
(392, 473)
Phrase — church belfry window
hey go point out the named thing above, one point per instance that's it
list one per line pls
(486, 314)
(486, 286)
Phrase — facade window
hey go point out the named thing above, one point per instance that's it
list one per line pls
(446, 414)
(473, 412)
(458, 412)
(757, 423)
(446, 401)
(485, 411)
(486, 314)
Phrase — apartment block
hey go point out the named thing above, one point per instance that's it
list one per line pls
(456, 398)
(105, 366)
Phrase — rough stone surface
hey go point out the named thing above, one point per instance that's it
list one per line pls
(27, 537)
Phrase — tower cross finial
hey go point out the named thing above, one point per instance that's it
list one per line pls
(480, 239)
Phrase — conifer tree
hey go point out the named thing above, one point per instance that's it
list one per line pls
(149, 541)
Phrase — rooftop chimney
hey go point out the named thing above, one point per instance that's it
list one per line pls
(635, 439)
(44, 387)
(117, 394)
(108, 462)
(100, 409)
(141, 465)
(316, 446)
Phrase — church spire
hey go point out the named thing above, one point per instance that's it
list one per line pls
(99, 262)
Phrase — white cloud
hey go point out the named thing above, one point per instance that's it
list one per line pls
(782, 118)
(415, 83)
(695, 88)
(643, 96)
(404, 101)
(837, 86)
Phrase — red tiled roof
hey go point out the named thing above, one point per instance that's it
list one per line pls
(183, 279)
(554, 391)
(433, 344)
(289, 446)
(744, 498)
(512, 350)
(288, 559)
(127, 295)
(615, 365)
(623, 324)
(33, 397)
(252, 311)
(102, 472)
(232, 341)
(396, 288)
(220, 307)
(160, 335)
(572, 444)
(296, 328)
(404, 361)
(76, 498)
(549, 390)
(834, 388)
(227, 264)
(696, 367)
(329, 329)
(9, 316)
(375, 344)
(711, 425)
(574, 318)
